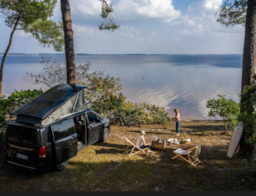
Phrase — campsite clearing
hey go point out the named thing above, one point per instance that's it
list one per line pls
(104, 167)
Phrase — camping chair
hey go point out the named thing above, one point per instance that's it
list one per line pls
(192, 154)
(129, 152)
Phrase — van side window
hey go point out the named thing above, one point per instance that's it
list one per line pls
(92, 118)
(63, 129)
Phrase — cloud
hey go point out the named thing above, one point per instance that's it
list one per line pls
(147, 26)
(130, 33)
(22, 33)
(125, 33)
(124, 11)
(162, 10)
(88, 31)
(88, 7)
(213, 4)
(199, 20)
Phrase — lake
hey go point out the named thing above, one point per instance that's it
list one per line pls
(184, 82)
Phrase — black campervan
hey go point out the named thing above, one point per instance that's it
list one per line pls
(52, 128)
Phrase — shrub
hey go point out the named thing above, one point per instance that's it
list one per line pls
(145, 113)
(15, 100)
(248, 117)
(228, 109)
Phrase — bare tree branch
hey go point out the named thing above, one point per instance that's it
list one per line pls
(5, 14)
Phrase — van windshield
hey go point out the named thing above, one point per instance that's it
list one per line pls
(23, 134)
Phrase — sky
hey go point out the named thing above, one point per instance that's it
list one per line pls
(146, 26)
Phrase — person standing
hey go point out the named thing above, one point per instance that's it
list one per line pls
(177, 120)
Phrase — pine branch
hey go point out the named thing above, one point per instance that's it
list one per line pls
(108, 22)
(221, 7)
(5, 14)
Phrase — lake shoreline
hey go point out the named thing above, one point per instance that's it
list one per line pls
(200, 120)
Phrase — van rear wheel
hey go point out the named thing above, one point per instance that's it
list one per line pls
(61, 166)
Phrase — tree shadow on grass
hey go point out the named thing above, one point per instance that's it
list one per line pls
(158, 128)
(146, 132)
(207, 133)
(207, 127)
(113, 148)
(137, 173)
(165, 174)
(157, 133)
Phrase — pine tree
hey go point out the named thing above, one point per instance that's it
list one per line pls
(32, 17)
(107, 24)
(243, 12)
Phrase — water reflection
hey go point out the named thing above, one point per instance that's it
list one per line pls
(185, 82)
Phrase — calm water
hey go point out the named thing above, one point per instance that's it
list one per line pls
(184, 82)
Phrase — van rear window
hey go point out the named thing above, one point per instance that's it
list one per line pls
(23, 134)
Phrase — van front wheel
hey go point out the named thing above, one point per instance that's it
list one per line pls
(61, 166)
(105, 134)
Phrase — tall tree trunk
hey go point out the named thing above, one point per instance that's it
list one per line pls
(69, 48)
(4, 57)
(249, 57)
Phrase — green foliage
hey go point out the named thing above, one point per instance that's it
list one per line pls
(249, 121)
(248, 98)
(108, 105)
(47, 33)
(32, 17)
(233, 13)
(225, 108)
(15, 100)
(103, 92)
(145, 113)
(108, 22)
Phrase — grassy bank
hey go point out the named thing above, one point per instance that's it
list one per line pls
(103, 166)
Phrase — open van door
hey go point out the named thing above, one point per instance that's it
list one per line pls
(81, 128)
(95, 127)
(84, 123)
(65, 142)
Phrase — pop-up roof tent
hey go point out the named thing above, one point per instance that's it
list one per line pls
(54, 103)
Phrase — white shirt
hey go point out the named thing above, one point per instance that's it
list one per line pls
(140, 140)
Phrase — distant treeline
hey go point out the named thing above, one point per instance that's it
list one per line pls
(14, 54)
(24, 54)
(85, 54)
(40, 54)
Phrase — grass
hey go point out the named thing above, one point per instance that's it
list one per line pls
(103, 166)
